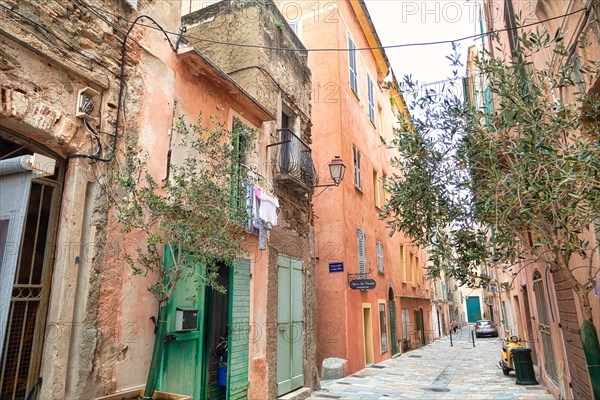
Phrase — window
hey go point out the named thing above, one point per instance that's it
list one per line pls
(383, 196)
(362, 252)
(357, 180)
(417, 274)
(352, 65)
(239, 137)
(405, 324)
(376, 190)
(443, 291)
(403, 263)
(383, 328)
(294, 26)
(380, 257)
(411, 261)
(371, 99)
(380, 122)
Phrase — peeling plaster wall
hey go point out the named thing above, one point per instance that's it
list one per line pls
(40, 75)
(278, 80)
(98, 314)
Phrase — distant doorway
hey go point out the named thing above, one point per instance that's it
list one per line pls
(392, 311)
(473, 309)
(368, 333)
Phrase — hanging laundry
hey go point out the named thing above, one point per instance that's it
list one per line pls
(268, 208)
(252, 207)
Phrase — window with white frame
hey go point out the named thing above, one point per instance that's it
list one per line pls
(380, 257)
(371, 98)
(357, 178)
(352, 65)
(294, 26)
(362, 251)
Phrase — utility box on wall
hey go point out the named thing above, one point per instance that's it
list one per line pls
(186, 319)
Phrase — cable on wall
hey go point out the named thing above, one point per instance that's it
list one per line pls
(395, 46)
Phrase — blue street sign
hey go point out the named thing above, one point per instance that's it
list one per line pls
(336, 267)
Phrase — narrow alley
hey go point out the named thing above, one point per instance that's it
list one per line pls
(436, 371)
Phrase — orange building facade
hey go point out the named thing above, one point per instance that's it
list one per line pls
(355, 106)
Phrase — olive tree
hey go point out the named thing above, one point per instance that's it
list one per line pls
(513, 180)
(196, 215)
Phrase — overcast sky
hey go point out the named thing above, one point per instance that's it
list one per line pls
(410, 21)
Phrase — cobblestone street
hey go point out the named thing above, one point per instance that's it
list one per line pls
(436, 371)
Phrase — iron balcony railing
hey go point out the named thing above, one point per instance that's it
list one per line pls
(294, 160)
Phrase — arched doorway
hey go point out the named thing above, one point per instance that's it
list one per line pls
(25, 299)
(392, 311)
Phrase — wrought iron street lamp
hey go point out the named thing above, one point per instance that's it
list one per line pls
(336, 170)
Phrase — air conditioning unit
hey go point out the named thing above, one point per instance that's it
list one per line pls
(132, 4)
(86, 103)
(186, 319)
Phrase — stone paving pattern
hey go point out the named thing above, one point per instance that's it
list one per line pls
(436, 371)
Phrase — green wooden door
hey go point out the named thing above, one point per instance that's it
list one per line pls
(239, 330)
(181, 370)
(290, 325)
(473, 309)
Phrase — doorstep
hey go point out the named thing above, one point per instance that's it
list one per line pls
(300, 394)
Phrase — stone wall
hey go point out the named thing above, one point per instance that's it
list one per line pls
(50, 50)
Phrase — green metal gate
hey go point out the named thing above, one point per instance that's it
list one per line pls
(290, 325)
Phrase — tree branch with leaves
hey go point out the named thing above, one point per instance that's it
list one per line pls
(516, 179)
(197, 215)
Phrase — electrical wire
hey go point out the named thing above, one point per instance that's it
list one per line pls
(395, 46)
(122, 92)
(69, 46)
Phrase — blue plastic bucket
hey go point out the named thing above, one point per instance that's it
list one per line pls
(222, 376)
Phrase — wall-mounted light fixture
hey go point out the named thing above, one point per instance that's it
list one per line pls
(336, 170)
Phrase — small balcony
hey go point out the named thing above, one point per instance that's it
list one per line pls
(293, 162)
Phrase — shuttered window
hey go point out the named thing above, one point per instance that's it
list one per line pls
(380, 257)
(362, 253)
(352, 65)
(357, 178)
(371, 98)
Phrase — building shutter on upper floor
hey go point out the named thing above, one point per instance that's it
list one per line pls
(362, 253)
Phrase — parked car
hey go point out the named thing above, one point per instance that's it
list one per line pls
(485, 327)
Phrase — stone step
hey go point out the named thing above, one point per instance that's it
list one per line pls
(300, 394)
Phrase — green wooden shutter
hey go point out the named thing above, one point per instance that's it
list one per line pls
(297, 321)
(290, 325)
(239, 327)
